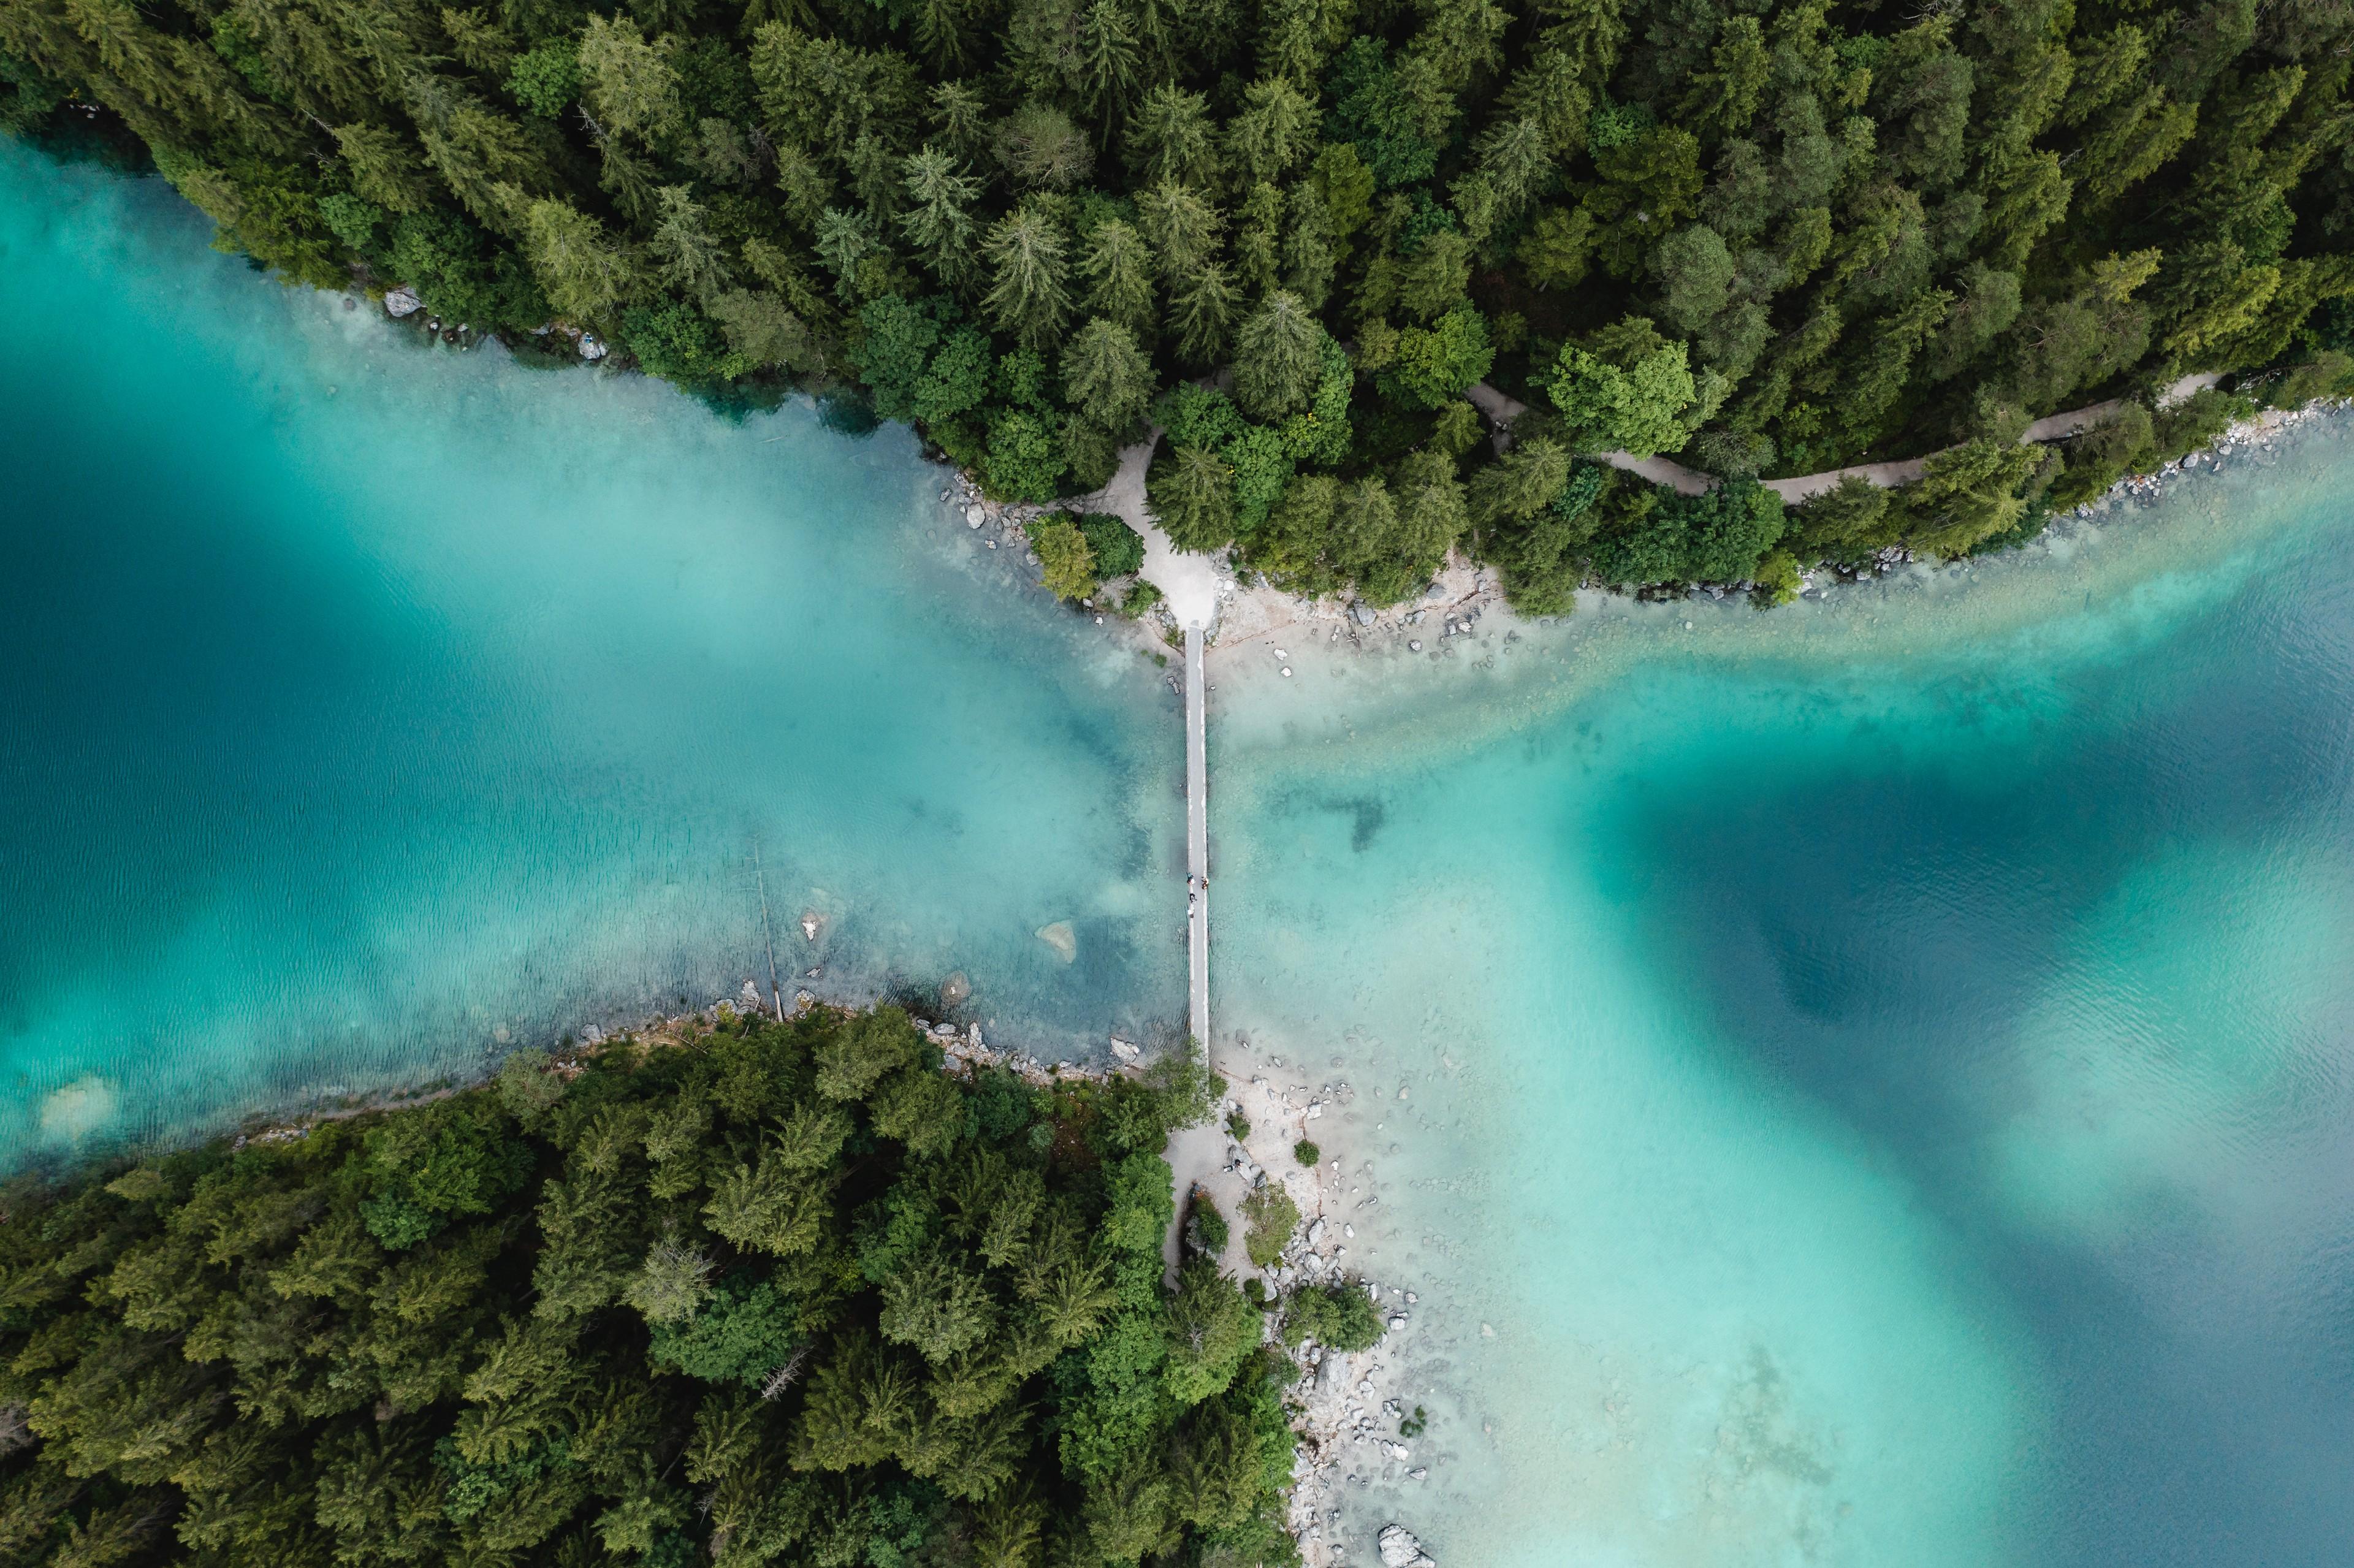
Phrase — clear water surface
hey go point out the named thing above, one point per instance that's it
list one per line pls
(370, 703)
(1862, 1085)
(1868, 1084)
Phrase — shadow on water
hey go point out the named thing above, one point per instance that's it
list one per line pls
(1363, 815)
(1880, 928)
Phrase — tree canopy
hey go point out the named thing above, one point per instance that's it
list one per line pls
(1770, 238)
(771, 1293)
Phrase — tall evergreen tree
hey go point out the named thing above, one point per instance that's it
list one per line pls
(1029, 298)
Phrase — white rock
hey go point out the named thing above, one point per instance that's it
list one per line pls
(591, 349)
(1399, 1452)
(402, 301)
(974, 517)
(751, 993)
(1315, 1234)
(1401, 1549)
(1124, 1050)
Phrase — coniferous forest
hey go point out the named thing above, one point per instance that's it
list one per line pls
(773, 1293)
(1769, 238)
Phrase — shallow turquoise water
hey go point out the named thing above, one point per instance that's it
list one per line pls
(369, 704)
(1873, 1086)
(1863, 1086)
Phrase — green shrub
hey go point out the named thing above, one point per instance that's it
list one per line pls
(2195, 421)
(1205, 1228)
(678, 343)
(1119, 548)
(1025, 460)
(2124, 443)
(2329, 374)
(1069, 566)
(1307, 1153)
(1779, 578)
(1271, 1216)
(1339, 1316)
(546, 79)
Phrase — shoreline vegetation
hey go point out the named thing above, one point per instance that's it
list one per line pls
(1300, 237)
(816, 1291)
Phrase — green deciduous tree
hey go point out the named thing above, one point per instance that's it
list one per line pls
(1434, 365)
(1627, 392)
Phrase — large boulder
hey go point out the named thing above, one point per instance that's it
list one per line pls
(1401, 1549)
(402, 301)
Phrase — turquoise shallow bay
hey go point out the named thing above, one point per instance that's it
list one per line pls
(1864, 1086)
(1868, 1084)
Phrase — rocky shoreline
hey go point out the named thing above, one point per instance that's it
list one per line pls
(1250, 609)
(1353, 1412)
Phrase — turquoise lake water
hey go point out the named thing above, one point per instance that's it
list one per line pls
(1865, 1084)
(1868, 1084)
(371, 703)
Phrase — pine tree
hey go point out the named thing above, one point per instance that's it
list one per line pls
(1182, 227)
(1276, 362)
(843, 242)
(1171, 139)
(689, 258)
(587, 277)
(1200, 309)
(1028, 296)
(383, 169)
(1118, 269)
(1274, 131)
(1520, 484)
(939, 219)
(1106, 67)
(628, 82)
(1107, 375)
(1192, 495)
